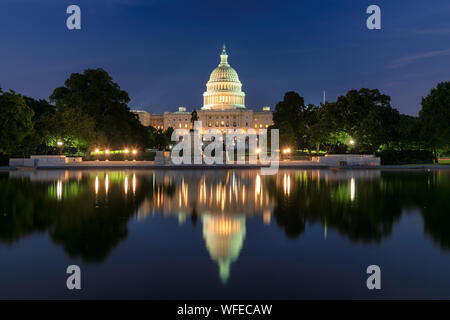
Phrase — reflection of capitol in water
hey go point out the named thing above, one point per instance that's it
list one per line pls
(221, 199)
(225, 192)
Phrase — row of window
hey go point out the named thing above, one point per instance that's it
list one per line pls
(210, 124)
(224, 99)
(223, 86)
(221, 124)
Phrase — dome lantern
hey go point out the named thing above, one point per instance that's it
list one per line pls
(224, 57)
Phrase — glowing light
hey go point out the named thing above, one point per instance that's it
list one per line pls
(96, 184)
(224, 226)
(134, 151)
(286, 150)
(352, 189)
(352, 142)
(97, 150)
(126, 184)
(258, 184)
(134, 183)
(106, 183)
(258, 150)
(106, 151)
(287, 184)
(59, 190)
(266, 216)
(126, 151)
(59, 143)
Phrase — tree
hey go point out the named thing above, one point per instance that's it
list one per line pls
(409, 137)
(72, 127)
(435, 118)
(294, 120)
(158, 138)
(36, 142)
(161, 139)
(287, 135)
(366, 116)
(95, 94)
(15, 121)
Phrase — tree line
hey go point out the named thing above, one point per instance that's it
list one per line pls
(89, 111)
(364, 121)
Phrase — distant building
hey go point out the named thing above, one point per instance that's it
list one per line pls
(144, 117)
(223, 106)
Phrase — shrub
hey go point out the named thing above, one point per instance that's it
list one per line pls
(405, 157)
(4, 159)
(140, 156)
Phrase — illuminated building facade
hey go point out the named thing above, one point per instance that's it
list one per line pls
(223, 106)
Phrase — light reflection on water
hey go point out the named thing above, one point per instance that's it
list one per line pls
(88, 212)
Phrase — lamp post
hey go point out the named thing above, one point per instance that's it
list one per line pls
(287, 151)
(60, 145)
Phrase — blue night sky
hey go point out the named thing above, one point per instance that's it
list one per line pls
(162, 52)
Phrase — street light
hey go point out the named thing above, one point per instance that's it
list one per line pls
(352, 142)
(60, 146)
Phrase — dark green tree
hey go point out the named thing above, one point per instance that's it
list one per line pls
(36, 143)
(435, 118)
(95, 94)
(72, 127)
(365, 115)
(294, 120)
(409, 132)
(15, 122)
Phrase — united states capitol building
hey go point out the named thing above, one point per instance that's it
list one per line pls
(223, 106)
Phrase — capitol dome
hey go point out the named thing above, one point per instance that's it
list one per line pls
(223, 90)
(224, 73)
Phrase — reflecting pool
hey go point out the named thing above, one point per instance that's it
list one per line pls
(235, 234)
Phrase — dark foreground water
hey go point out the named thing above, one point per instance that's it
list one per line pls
(225, 233)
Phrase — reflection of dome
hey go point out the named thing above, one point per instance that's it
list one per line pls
(224, 237)
(223, 90)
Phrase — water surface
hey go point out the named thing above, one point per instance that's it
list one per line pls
(225, 233)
